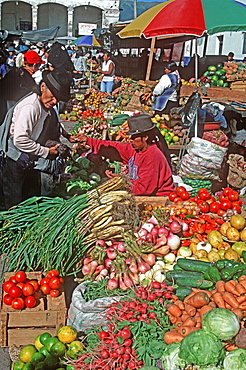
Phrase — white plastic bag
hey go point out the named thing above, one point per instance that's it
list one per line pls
(210, 152)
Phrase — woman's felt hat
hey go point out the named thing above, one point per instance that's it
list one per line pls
(58, 82)
(139, 123)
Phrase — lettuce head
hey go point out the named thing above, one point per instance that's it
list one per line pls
(221, 322)
(235, 360)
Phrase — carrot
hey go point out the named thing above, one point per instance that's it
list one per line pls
(230, 288)
(172, 336)
(228, 307)
(230, 299)
(240, 288)
(218, 299)
(188, 297)
(233, 282)
(199, 299)
(180, 304)
(190, 310)
(174, 310)
(175, 297)
(212, 304)
(243, 282)
(184, 316)
(190, 321)
(185, 330)
(238, 312)
(243, 306)
(220, 286)
(242, 277)
(198, 320)
(230, 347)
(178, 324)
(204, 309)
(241, 299)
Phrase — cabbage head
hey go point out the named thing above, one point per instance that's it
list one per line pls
(201, 348)
(235, 360)
(222, 323)
(170, 358)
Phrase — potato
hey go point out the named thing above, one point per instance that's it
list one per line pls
(230, 254)
(232, 234)
(224, 228)
(240, 339)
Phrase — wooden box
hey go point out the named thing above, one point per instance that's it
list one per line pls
(238, 85)
(20, 327)
(153, 200)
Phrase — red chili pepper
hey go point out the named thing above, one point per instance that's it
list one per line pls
(219, 220)
(185, 243)
(201, 228)
(201, 237)
(187, 234)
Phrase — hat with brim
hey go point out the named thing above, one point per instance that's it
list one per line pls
(58, 82)
(139, 123)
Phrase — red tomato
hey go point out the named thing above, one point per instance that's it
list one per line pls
(226, 204)
(61, 280)
(227, 190)
(15, 292)
(214, 207)
(18, 303)
(28, 289)
(172, 196)
(177, 200)
(6, 285)
(222, 197)
(236, 207)
(233, 196)
(53, 273)
(13, 279)
(220, 212)
(180, 189)
(7, 300)
(20, 285)
(45, 280)
(185, 195)
(30, 301)
(54, 292)
(204, 194)
(55, 283)
(20, 276)
(197, 198)
(35, 284)
(45, 288)
(203, 206)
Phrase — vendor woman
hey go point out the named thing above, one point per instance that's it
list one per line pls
(147, 156)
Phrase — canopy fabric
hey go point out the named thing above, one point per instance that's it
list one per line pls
(87, 41)
(188, 17)
(42, 35)
(127, 8)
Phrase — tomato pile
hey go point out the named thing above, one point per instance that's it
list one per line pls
(228, 199)
(22, 292)
(93, 113)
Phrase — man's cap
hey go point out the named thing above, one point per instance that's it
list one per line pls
(11, 48)
(32, 57)
(23, 48)
(40, 44)
(58, 82)
(58, 57)
(139, 123)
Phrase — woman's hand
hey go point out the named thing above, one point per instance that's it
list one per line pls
(53, 150)
(81, 138)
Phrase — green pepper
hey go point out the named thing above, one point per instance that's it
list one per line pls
(228, 263)
(220, 264)
(227, 273)
(214, 274)
(244, 256)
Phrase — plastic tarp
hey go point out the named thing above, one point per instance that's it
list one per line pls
(42, 35)
(127, 8)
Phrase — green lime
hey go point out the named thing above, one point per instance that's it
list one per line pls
(27, 352)
(67, 334)
(58, 349)
(50, 362)
(37, 343)
(36, 358)
(70, 367)
(18, 365)
(50, 342)
(71, 354)
(40, 366)
(44, 337)
(44, 351)
(76, 346)
(28, 366)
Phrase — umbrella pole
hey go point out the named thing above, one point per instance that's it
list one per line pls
(90, 74)
(196, 78)
(150, 61)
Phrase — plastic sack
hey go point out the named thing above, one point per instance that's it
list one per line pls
(189, 112)
(84, 315)
(237, 171)
(208, 151)
(197, 168)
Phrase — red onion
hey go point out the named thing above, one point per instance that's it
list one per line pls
(149, 238)
(99, 268)
(108, 263)
(87, 260)
(111, 253)
(102, 275)
(163, 231)
(122, 284)
(173, 241)
(133, 267)
(160, 241)
(185, 226)
(86, 270)
(155, 231)
(153, 220)
(134, 277)
(127, 280)
(128, 261)
(101, 243)
(149, 258)
(93, 265)
(142, 266)
(142, 233)
(112, 284)
(147, 226)
(175, 227)
(121, 247)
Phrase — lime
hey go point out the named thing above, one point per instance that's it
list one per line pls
(58, 349)
(76, 346)
(44, 351)
(44, 337)
(40, 366)
(175, 139)
(50, 342)
(71, 354)
(67, 334)
(27, 352)
(18, 365)
(28, 366)
(37, 343)
(70, 367)
(36, 358)
(50, 362)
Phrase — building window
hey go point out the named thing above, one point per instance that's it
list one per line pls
(244, 43)
(25, 25)
(220, 40)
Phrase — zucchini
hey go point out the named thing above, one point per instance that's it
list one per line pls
(176, 267)
(213, 274)
(194, 283)
(174, 275)
(182, 292)
(193, 265)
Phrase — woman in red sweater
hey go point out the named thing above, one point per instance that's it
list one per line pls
(147, 156)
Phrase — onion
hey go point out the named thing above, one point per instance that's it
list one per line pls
(149, 258)
(122, 284)
(142, 266)
(133, 267)
(149, 238)
(153, 220)
(173, 241)
(127, 280)
(111, 253)
(134, 278)
(163, 231)
(99, 268)
(147, 226)
(101, 243)
(93, 266)
(86, 270)
(184, 225)
(128, 261)
(87, 260)
(142, 233)
(160, 241)
(121, 247)
(155, 231)
(175, 227)
(112, 284)
(108, 263)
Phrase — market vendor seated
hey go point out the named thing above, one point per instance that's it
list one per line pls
(147, 155)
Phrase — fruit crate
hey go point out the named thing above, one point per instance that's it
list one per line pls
(20, 327)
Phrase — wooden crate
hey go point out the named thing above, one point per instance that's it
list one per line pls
(153, 200)
(20, 327)
(238, 85)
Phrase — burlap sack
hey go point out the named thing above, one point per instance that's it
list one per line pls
(237, 171)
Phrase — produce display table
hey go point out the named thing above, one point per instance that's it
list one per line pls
(154, 200)
(223, 94)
